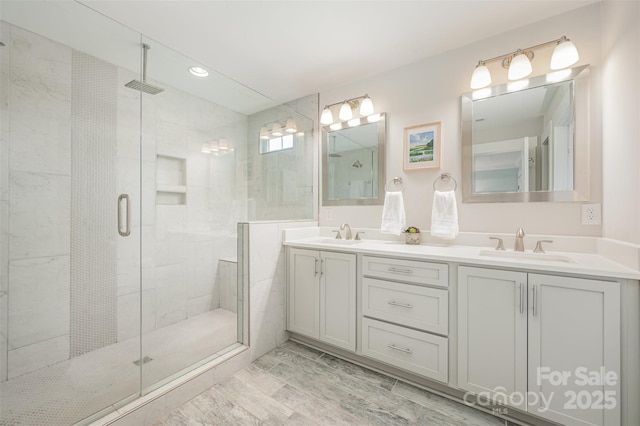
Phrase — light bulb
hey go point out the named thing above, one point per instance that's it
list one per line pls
(199, 71)
(366, 106)
(481, 76)
(264, 133)
(290, 127)
(327, 116)
(564, 55)
(276, 129)
(520, 66)
(345, 112)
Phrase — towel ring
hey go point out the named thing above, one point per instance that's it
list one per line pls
(396, 181)
(445, 177)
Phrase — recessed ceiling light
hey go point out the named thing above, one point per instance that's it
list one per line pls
(199, 71)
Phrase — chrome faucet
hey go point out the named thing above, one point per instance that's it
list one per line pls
(519, 240)
(347, 235)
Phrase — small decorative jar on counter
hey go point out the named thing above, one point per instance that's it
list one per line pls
(412, 235)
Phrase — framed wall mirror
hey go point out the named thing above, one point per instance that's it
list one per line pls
(531, 143)
(353, 162)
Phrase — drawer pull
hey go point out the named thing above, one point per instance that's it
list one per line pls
(400, 270)
(397, 348)
(402, 305)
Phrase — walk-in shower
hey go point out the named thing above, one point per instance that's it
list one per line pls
(118, 232)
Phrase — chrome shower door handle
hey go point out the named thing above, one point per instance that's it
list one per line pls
(127, 229)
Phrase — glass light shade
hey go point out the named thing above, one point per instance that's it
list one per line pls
(520, 67)
(214, 146)
(276, 130)
(264, 133)
(564, 55)
(223, 144)
(481, 77)
(366, 106)
(345, 112)
(327, 116)
(291, 127)
(206, 148)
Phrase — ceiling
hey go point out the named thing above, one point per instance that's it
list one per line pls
(289, 49)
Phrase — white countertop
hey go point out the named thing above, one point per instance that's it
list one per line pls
(561, 262)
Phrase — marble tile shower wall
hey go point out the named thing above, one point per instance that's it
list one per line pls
(36, 192)
(181, 243)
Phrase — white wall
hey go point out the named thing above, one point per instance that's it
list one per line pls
(621, 120)
(430, 90)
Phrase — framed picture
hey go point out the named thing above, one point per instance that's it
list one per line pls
(422, 146)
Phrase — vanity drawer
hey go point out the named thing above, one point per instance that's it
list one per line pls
(414, 271)
(415, 351)
(415, 306)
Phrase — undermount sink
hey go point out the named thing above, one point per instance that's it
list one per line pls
(331, 240)
(528, 256)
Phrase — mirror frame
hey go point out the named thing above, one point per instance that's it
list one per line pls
(581, 143)
(382, 139)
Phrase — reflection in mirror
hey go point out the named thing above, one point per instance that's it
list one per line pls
(353, 162)
(521, 145)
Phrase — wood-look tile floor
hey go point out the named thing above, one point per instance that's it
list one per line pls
(298, 385)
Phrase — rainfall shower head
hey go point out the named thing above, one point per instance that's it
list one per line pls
(143, 85)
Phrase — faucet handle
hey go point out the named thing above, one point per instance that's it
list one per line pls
(500, 245)
(338, 235)
(358, 235)
(538, 248)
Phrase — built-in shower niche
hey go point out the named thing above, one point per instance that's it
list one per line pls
(171, 180)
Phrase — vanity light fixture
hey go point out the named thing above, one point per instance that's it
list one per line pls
(199, 72)
(362, 103)
(518, 62)
(264, 133)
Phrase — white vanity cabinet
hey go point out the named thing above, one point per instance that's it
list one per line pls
(322, 296)
(405, 314)
(551, 344)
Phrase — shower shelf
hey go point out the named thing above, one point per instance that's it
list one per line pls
(171, 188)
(181, 189)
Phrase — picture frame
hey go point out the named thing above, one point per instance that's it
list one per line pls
(422, 146)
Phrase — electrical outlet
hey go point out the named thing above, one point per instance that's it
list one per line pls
(591, 214)
(328, 214)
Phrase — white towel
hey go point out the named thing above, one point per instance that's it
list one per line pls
(393, 217)
(444, 215)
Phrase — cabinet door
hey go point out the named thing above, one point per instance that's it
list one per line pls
(574, 330)
(492, 332)
(338, 299)
(302, 283)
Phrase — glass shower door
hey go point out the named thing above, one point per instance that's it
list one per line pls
(70, 264)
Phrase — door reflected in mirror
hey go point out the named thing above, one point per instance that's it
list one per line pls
(353, 162)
